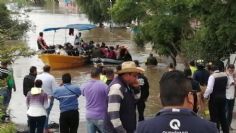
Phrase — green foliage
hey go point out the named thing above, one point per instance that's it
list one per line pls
(96, 10)
(138, 39)
(125, 11)
(7, 128)
(12, 52)
(168, 25)
(2, 110)
(11, 30)
(218, 21)
(164, 23)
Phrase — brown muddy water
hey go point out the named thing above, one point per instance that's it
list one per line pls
(43, 18)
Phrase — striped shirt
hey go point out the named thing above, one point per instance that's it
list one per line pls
(122, 107)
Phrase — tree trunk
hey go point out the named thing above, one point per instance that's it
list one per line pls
(174, 59)
(101, 25)
(183, 58)
(57, 1)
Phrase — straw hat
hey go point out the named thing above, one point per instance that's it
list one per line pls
(128, 67)
(36, 90)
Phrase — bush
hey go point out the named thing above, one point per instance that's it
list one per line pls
(7, 128)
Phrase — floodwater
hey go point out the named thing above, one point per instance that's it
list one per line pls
(43, 18)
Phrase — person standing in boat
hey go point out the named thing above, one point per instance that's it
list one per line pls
(41, 42)
(77, 39)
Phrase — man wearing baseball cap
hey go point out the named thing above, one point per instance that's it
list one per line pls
(122, 97)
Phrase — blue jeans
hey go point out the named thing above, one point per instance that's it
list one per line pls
(8, 97)
(95, 125)
(4, 94)
(48, 112)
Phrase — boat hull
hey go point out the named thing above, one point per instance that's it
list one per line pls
(62, 61)
(107, 61)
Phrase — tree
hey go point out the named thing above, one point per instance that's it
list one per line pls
(11, 30)
(216, 36)
(96, 10)
(126, 11)
(164, 23)
(191, 28)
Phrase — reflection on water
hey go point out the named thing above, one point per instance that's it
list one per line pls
(44, 19)
(153, 104)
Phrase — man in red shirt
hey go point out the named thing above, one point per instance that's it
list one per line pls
(41, 43)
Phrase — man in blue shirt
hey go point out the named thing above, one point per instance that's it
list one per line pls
(177, 116)
(68, 94)
(201, 75)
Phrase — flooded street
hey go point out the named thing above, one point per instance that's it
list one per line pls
(41, 19)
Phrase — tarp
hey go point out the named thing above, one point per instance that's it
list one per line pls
(54, 28)
(79, 27)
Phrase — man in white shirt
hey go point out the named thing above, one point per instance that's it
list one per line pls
(230, 93)
(216, 93)
(49, 83)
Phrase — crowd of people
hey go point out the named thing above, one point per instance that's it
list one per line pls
(216, 85)
(91, 49)
(106, 95)
(114, 96)
(80, 47)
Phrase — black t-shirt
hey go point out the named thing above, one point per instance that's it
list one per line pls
(28, 83)
(195, 85)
